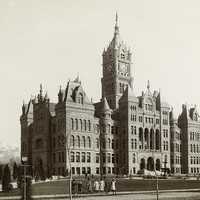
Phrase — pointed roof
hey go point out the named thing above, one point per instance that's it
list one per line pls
(77, 79)
(105, 105)
(74, 87)
(129, 94)
(172, 114)
(116, 41)
(148, 91)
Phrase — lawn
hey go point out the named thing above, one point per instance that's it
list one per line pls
(62, 186)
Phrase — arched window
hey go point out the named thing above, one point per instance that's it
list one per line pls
(80, 98)
(97, 143)
(157, 140)
(89, 125)
(72, 156)
(89, 142)
(39, 143)
(83, 138)
(103, 143)
(109, 143)
(116, 144)
(85, 125)
(78, 141)
(151, 139)
(108, 128)
(76, 124)
(72, 124)
(132, 144)
(72, 142)
(112, 145)
(81, 124)
(134, 158)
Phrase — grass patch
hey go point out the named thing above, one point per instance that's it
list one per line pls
(62, 186)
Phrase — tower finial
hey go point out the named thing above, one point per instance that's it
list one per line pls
(116, 24)
(41, 90)
(148, 85)
(116, 19)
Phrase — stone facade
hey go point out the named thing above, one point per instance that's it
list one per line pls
(189, 123)
(120, 134)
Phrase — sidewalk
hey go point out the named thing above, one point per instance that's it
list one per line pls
(64, 196)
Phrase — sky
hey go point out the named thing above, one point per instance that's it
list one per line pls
(50, 42)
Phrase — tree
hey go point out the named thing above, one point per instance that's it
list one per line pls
(15, 171)
(1, 171)
(6, 179)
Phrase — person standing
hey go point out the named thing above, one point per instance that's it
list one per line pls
(96, 186)
(113, 186)
(101, 185)
(89, 185)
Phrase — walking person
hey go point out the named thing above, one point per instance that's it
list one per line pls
(101, 185)
(89, 185)
(96, 186)
(113, 186)
(107, 186)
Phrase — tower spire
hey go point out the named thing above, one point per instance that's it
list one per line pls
(148, 84)
(116, 19)
(41, 90)
(116, 24)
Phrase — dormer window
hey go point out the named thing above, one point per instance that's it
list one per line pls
(80, 98)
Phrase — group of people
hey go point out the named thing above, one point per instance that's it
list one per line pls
(101, 185)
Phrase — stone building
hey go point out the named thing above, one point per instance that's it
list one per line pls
(189, 124)
(121, 134)
(175, 144)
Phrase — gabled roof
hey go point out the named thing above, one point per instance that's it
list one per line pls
(129, 95)
(72, 89)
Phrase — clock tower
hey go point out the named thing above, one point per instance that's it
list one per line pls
(116, 69)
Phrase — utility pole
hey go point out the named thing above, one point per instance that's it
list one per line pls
(24, 160)
(157, 186)
(165, 167)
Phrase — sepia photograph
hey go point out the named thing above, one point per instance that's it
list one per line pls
(100, 100)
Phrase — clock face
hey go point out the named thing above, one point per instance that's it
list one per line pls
(123, 68)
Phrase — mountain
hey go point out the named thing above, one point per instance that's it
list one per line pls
(9, 154)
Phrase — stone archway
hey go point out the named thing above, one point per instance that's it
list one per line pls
(142, 164)
(150, 164)
(151, 139)
(141, 137)
(157, 139)
(146, 138)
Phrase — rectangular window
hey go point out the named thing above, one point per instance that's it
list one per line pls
(108, 157)
(83, 170)
(113, 158)
(72, 157)
(104, 157)
(140, 119)
(97, 170)
(131, 129)
(97, 158)
(83, 157)
(88, 157)
(77, 156)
